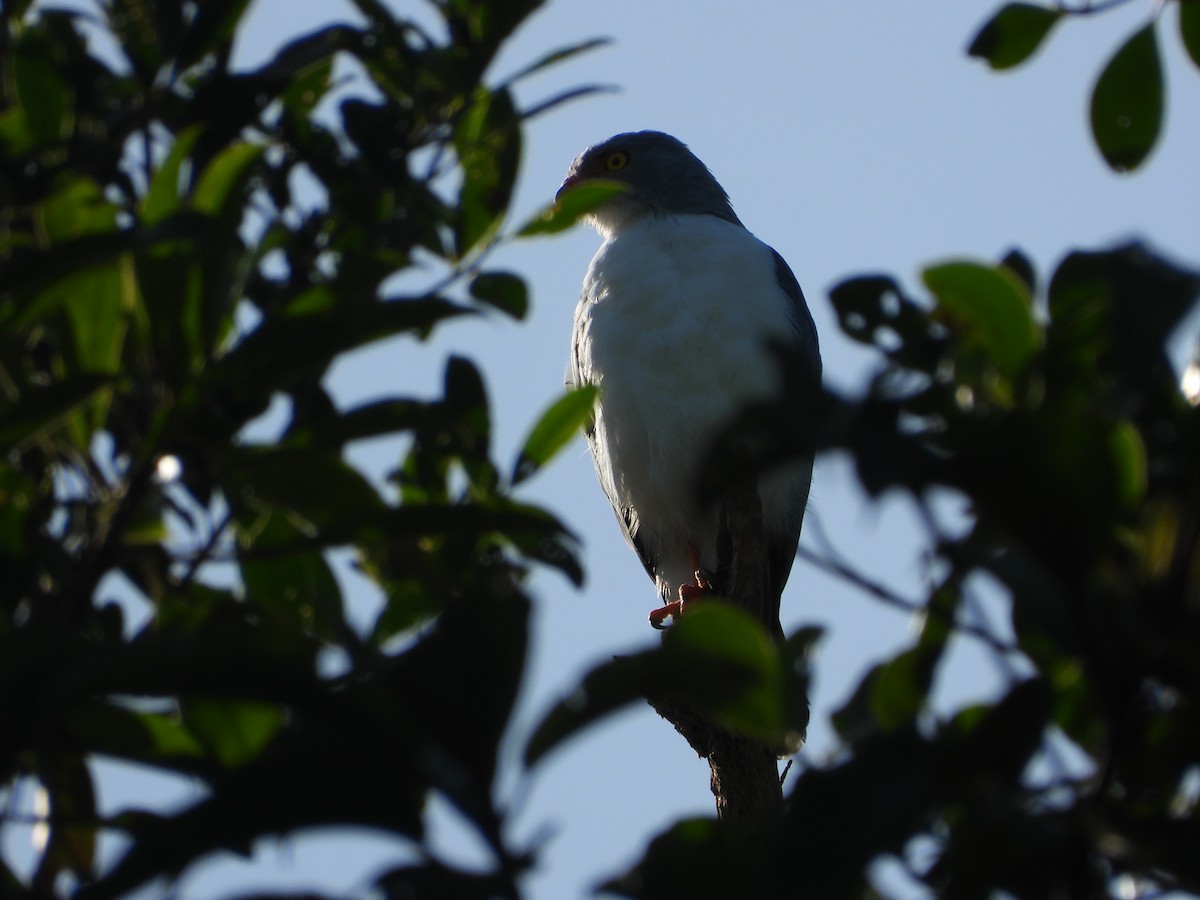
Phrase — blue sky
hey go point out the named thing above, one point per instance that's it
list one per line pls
(851, 137)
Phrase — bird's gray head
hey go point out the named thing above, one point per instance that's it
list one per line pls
(662, 177)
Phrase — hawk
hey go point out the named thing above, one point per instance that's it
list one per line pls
(676, 324)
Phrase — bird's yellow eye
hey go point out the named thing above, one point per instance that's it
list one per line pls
(616, 161)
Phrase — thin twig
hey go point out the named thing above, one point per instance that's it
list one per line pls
(1090, 7)
(885, 594)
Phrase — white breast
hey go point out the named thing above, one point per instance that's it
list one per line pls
(673, 327)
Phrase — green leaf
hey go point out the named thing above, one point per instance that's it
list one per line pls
(317, 486)
(1129, 459)
(99, 304)
(76, 209)
(733, 666)
(571, 206)
(604, 690)
(505, 291)
(218, 190)
(707, 859)
(1127, 102)
(554, 430)
(1189, 29)
(44, 98)
(234, 731)
(992, 306)
(166, 736)
(895, 691)
(113, 729)
(299, 586)
(163, 197)
(888, 698)
(488, 143)
(1001, 739)
(41, 410)
(1116, 309)
(1013, 34)
(716, 656)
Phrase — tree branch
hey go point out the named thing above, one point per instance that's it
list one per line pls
(744, 772)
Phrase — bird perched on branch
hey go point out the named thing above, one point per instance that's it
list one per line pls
(685, 319)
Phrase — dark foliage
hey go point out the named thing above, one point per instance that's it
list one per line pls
(162, 285)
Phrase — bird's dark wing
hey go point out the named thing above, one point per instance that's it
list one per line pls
(629, 521)
(803, 370)
(808, 355)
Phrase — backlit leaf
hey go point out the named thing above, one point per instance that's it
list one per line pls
(234, 731)
(716, 656)
(992, 307)
(571, 206)
(163, 196)
(218, 190)
(488, 143)
(554, 430)
(1129, 459)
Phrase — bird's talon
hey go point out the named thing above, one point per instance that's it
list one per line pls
(659, 616)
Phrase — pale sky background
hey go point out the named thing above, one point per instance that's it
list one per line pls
(853, 138)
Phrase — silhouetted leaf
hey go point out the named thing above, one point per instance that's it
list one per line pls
(152, 738)
(1013, 34)
(1127, 102)
(503, 290)
(71, 843)
(1020, 265)
(312, 484)
(605, 689)
(703, 859)
(436, 881)
(554, 430)
(1117, 308)
(1189, 29)
(45, 99)
(185, 248)
(1004, 737)
(840, 818)
(44, 409)
(212, 28)
(298, 585)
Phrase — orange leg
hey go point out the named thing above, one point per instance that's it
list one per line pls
(702, 587)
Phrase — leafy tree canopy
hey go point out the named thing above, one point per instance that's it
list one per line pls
(162, 283)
